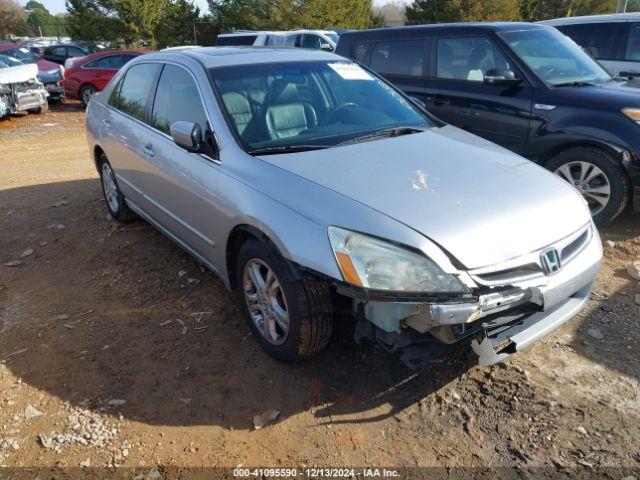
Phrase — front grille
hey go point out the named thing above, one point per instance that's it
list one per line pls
(529, 267)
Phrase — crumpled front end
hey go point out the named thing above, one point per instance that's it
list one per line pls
(22, 96)
(509, 306)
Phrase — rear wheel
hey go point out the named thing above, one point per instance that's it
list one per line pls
(86, 93)
(112, 194)
(291, 317)
(599, 178)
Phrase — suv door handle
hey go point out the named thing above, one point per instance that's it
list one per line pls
(148, 150)
(106, 123)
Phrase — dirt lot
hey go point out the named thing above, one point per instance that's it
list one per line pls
(104, 361)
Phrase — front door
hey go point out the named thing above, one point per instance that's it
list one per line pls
(179, 186)
(456, 92)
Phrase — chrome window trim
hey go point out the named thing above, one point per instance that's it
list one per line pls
(161, 133)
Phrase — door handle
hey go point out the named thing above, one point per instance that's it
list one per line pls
(148, 150)
(106, 123)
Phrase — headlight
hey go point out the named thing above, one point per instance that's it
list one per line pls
(633, 114)
(372, 263)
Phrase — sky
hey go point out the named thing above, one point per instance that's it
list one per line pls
(57, 6)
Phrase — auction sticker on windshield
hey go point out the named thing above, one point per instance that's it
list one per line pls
(350, 71)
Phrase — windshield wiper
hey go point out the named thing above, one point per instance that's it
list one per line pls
(577, 83)
(388, 132)
(286, 149)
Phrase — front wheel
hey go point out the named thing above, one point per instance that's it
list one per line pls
(86, 93)
(599, 178)
(290, 316)
(44, 108)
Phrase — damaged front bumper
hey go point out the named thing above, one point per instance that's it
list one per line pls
(501, 315)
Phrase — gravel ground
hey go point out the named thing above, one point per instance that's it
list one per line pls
(118, 349)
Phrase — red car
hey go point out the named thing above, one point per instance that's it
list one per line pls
(90, 74)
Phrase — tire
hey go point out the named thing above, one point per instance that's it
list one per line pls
(114, 198)
(42, 109)
(306, 302)
(86, 93)
(576, 163)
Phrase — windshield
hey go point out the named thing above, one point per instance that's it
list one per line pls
(279, 105)
(22, 54)
(555, 58)
(6, 61)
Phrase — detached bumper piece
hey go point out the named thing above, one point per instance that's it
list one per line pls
(498, 341)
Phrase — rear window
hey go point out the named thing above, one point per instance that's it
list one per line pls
(235, 40)
(399, 58)
(131, 95)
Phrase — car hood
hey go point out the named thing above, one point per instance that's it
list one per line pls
(480, 202)
(18, 74)
(612, 95)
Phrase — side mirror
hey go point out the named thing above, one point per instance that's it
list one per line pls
(326, 47)
(187, 135)
(498, 76)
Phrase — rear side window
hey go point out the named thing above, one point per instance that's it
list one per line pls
(58, 51)
(76, 52)
(597, 39)
(112, 62)
(468, 58)
(131, 96)
(236, 40)
(177, 98)
(633, 46)
(399, 58)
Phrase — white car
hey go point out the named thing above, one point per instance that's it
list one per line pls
(20, 89)
(311, 39)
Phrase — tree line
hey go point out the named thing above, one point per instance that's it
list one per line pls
(160, 23)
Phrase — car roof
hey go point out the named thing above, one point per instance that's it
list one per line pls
(211, 57)
(408, 31)
(609, 17)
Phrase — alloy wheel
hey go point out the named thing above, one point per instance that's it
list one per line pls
(266, 301)
(590, 181)
(110, 188)
(87, 93)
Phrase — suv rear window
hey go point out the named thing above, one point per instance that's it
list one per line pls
(399, 57)
(235, 40)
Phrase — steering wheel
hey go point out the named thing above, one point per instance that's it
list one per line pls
(340, 108)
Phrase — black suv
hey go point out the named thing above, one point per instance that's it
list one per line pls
(60, 53)
(524, 86)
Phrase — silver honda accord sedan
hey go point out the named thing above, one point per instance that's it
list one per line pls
(309, 184)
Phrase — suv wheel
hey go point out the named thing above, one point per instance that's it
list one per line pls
(290, 316)
(112, 194)
(86, 93)
(598, 177)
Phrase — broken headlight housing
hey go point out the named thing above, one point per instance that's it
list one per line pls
(372, 263)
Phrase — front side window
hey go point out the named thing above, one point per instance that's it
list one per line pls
(310, 104)
(177, 99)
(554, 57)
(399, 57)
(131, 95)
(597, 39)
(633, 46)
(360, 51)
(468, 58)
(310, 41)
(76, 52)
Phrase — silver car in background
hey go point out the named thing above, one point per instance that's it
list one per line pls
(307, 183)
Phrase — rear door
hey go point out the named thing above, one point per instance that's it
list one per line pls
(402, 62)
(457, 94)
(124, 129)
